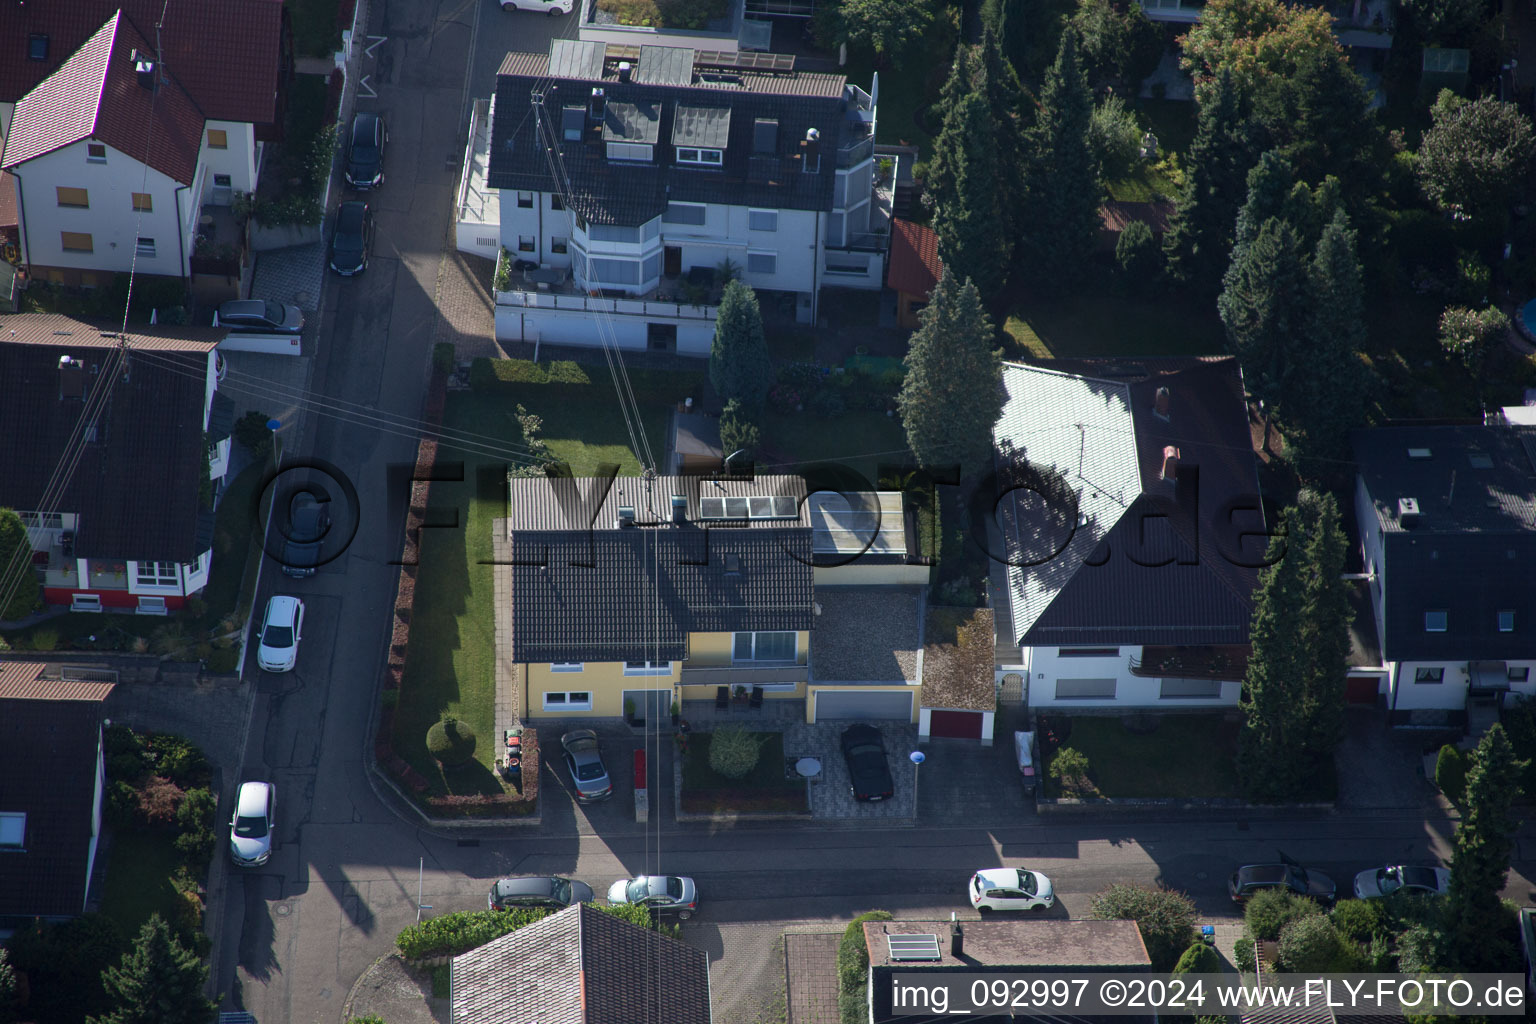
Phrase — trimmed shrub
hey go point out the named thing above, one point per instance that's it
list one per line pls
(45, 640)
(1199, 959)
(1451, 774)
(733, 752)
(1070, 770)
(1313, 945)
(1165, 917)
(251, 431)
(159, 800)
(196, 838)
(463, 931)
(1359, 920)
(451, 742)
(1270, 910)
(853, 954)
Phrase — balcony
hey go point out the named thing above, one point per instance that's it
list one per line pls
(221, 242)
(1224, 663)
(859, 148)
(691, 296)
(742, 675)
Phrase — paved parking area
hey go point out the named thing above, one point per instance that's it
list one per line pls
(832, 793)
(294, 275)
(559, 810)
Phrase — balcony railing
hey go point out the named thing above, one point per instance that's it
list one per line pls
(742, 675)
(1221, 663)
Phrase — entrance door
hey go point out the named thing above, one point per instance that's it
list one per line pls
(672, 261)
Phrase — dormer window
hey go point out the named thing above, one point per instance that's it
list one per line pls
(37, 46)
(1436, 621)
(702, 157)
(1507, 620)
(573, 120)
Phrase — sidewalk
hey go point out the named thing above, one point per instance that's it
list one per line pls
(466, 307)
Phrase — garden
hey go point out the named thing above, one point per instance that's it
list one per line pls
(1139, 757)
(292, 190)
(733, 770)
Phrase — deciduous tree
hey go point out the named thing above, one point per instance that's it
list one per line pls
(886, 26)
(158, 982)
(739, 366)
(17, 580)
(1466, 335)
(1476, 156)
(1120, 44)
(1165, 918)
(952, 395)
(1443, 22)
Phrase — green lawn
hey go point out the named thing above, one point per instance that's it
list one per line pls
(1101, 318)
(450, 668)
(765, 789)
(907, 92)
(1189, 756)
(138, 881)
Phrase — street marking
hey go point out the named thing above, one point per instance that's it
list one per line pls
(374, 45)
(362, 83)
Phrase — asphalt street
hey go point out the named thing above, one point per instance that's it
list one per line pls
(344, 878)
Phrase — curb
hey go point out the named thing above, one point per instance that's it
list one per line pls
(1130, 806)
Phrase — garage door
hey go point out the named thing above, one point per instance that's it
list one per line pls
(962, 725)
(887, 704)
(1361, 689)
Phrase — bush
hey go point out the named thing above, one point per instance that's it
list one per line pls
(122, 808)
(1070, 770)
(195, 822)
(451, 742)
(463, 931)
(1420, 947)
(44, 640)
(1270, 910)
(159, 800)
(736, 431)
(853, 954)
(126, 758)
(1166, 918)
(1242, 955)
(1199, 959)
(443, 358)
(733, 752)
(1115, 138)
(176, 758)
(1359, 920)
(1313, 945)
(253, 434)
(828, 403)
(1138, 254)
(1451, 773)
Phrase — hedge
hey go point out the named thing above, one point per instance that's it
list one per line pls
(465, 930)
(656, 385)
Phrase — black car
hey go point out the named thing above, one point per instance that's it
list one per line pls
(353, 239)
(554, 893)
(1253, 878)
(308, 522)
(365, 151)
(864, 751)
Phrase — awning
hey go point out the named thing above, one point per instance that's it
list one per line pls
(1489, 675)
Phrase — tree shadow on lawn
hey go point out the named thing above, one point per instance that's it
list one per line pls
(1102, 316)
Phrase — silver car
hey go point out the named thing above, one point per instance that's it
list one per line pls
(585, 761)
(1401, 878)
(660, 894)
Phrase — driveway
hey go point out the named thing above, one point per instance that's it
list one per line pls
(1380, 768)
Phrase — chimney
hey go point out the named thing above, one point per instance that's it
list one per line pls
(1408, 512)
(956, 937)
(1170, 463)
(144, 67)
(597, 105)
(1160, 404)
(679, 508)
(623, 70)
(626, 517)
(71, 378)
(810, 151)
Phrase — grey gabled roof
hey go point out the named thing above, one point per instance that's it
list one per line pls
(581, 966)
(1143, 562)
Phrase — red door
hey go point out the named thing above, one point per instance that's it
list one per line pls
(1361, 689)
(960, 725)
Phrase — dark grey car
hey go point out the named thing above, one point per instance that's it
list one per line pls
(365, 151)
(538, 891)
(308, 522)
(1254, 878)
(260, 316)
(584, 758)
(352, 241)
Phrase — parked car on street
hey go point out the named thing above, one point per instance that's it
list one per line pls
(550, 7)
(365, 150)
(250, 830)
(1011, 889)
(1401, 878)
(868, 768)
(538, 891)
(584, 758)
(660, 894)
(352, 240)
(1252, 878)
(262, 316)
(281, 630)
(308, 522)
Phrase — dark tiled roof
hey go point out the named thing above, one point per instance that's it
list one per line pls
(915, 264)
(96, 94)
(1139, 570)
(632, 192)
(226, 53)
(581, 966)
(1466, 479)
(136, 487)
(636, 594)
(48, 772)
(221, 417)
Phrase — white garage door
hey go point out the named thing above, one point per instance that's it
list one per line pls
(885, 704)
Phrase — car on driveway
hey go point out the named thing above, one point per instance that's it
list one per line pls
(1011, 889)
(585, 760)
(260, 316)
(365, 150)
(352, 240)
(660, 894)
(538, 891)
(308, 521)
(550, 7)
(868, 768)
(250, 830)
(1385, 881)
(281, 630)
(1253, 878)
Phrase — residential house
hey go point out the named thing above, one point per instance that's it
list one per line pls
(633, 178)
(903, 954)
(581, 966)
(1128, 534)
(52, 776)
(133, 526)
(915, 269)
(1447, 524)
(125, 140)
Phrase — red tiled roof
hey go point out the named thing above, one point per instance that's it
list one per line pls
(227, 54)
(25, 680)
(96, 95)
(915, 266)
(1116, 215)
(7, 197)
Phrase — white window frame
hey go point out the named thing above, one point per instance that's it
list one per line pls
(90, 157)
(751, 213)
(567, 666)
(85, 603)
(648, 668)
(145, 247)
(157, 576)
(774, 256)
(527, 243)
(565, 703)
(752, 658)
(700, 156)
(525, 200)
(10, 838)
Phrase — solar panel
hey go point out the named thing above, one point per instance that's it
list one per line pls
(914, 947)
(744, 60)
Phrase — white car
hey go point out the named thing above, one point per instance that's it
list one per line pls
(250, 830)
(550, 7)
(1394, 878)
(659, 894)
(1010, 889)
(281, 630)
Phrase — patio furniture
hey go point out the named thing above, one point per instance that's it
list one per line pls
(722, 698)
(757, 698)
(543, 278)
